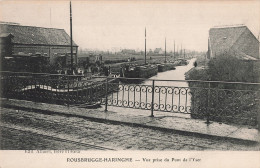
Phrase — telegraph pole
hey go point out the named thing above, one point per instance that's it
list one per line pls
(71, 45)
(181, 50)
(177, 51)
(145, 46)
(165, 51)
(174, 50)
(50, 18)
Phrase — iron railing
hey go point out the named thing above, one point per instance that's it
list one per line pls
(235, 102)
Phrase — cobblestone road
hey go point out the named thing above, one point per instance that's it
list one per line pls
(13, 139)
(32, 130)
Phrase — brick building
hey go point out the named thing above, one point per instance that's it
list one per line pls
(29, 40)
(237, 41)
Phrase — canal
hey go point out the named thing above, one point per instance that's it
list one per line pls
(169, 96)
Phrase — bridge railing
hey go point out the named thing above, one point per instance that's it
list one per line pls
(235, 102)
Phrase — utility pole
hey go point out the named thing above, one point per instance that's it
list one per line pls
(184, 53)
(259, 55)
(165, 51)
(174, 50)
(50, 18)
(71, 45)
(177, 51)
(181, 50)
(145, 46)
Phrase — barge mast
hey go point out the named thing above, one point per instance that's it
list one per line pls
(165, 51)
(145, 46)
(71, 47)
(174, 51)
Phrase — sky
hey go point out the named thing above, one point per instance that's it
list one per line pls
(114, 25)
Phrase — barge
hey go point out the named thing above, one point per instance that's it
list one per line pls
(165, 67)
(181, 62)
(138, 71)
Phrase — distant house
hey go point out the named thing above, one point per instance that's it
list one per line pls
(95, 58)
(158, 51)
(150, 52)
(29, 40)
(237, 41)
(83, 61)
(86, 59)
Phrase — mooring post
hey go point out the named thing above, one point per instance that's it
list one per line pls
(106, 93)
(152, 105)
(208, 103)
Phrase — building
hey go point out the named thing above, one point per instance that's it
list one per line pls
(95, 58)
(150, 52)
(158, 51)
(86, 60)
(5, 39)
(30, 40)
(236, 41)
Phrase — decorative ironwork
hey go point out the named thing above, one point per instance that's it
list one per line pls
(218, 101)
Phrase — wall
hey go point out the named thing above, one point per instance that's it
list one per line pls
(52, 51)
(5, 47)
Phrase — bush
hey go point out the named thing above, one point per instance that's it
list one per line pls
(231, 103)
(229, 68)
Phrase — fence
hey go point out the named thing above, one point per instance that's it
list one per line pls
(234, 102)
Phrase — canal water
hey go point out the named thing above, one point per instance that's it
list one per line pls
(177, 74)
(171, 96)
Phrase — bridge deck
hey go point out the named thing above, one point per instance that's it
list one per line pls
(162, 120)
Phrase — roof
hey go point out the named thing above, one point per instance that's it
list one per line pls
(244, 56)
(157, 49)
(222, 39)
(2, 35)
(36, 35)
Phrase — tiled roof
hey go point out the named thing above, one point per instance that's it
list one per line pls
(36, 35)
(244, 56)
(222, 39)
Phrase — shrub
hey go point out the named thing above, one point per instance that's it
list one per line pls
(229, 68)
(232, 103)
